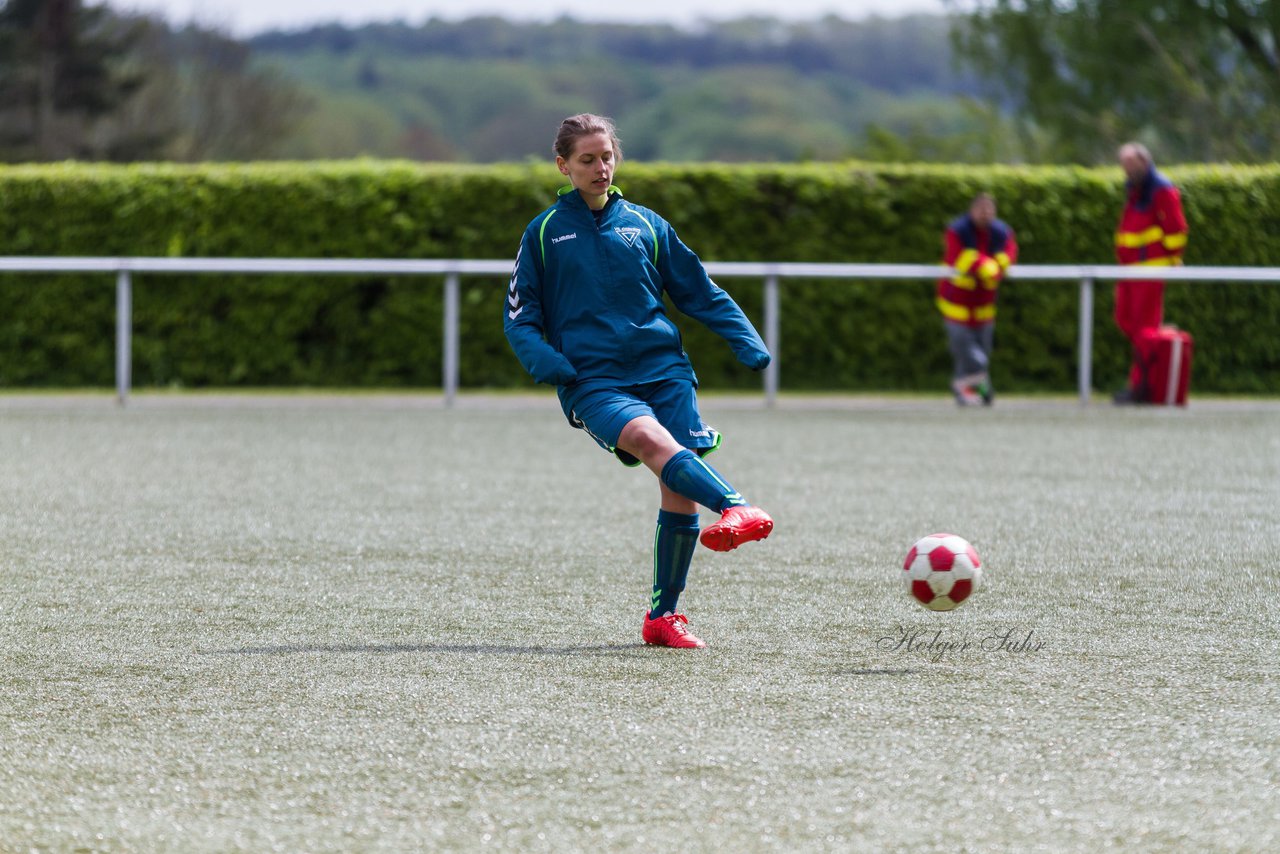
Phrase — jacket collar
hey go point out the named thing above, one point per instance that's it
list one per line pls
(1144, 182)
(1141, 192)
(965, 221)
(569, 198)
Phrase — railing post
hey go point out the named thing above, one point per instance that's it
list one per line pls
(124, 335)
(451, 298)
(1086, 339)
(771, 312)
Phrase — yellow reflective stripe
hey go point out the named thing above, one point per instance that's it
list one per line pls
(963, 313)
(1175, 241)
(1003, 259)
(951, 311)
(968, 283)
(1139, 239)
(1167, 261)
(965, 259)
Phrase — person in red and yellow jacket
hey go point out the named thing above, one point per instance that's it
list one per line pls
(980, 249)
(1152, 232)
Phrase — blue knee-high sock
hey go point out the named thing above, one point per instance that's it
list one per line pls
(687, 474)
(673, 547)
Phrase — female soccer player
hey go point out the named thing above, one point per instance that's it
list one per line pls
(585, 312)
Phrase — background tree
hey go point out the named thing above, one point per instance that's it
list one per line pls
(62, 65)
(484, 89)
(84, 82)
(1197, 79)
(222, 105)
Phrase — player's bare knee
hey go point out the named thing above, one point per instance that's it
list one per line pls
(646, 439)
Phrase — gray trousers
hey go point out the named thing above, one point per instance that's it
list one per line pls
(970, 348)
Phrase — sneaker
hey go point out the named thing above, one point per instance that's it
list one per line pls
(964, 393)
(737, 525)
(671, 630)
(987, 393)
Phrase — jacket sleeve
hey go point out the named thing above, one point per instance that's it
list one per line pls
(522, 320)
(1168, 203)
(1009, 256)
(953, 248)
(973, 267)
(693, 292)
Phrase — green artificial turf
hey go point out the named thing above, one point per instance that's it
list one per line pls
(370, 624)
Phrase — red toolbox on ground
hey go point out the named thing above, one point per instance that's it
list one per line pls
(1166, 361)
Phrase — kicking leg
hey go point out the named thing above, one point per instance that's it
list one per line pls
(684, 473)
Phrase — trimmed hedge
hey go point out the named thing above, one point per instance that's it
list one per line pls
(372, 331)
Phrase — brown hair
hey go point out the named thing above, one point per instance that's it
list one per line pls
(585, 124)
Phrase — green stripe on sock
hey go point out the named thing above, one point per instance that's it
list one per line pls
(711, 472)
(657, 593)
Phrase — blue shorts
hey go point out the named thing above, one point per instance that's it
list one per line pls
(604, 411)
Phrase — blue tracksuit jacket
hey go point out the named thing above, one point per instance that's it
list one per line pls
(585, 308)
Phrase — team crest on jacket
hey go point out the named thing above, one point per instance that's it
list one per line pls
(628, 234)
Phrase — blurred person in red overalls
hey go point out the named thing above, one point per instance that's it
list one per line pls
(980, 249)
(1152, 233)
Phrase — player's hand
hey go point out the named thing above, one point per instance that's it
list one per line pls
(564, 374)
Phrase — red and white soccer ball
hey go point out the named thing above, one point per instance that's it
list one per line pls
(942, 571)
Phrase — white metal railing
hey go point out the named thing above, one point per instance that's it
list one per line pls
(452, 270)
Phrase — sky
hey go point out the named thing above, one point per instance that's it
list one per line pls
(245, 17)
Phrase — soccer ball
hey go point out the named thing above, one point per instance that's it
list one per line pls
(941, 571)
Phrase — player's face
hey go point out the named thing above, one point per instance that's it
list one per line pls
(590, 166)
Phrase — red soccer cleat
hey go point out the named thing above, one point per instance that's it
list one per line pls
(671, 630)
(737, 525)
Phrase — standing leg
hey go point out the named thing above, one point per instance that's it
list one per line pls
(986, 343)
(674, 543)
(969, 361)
(673, 547)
